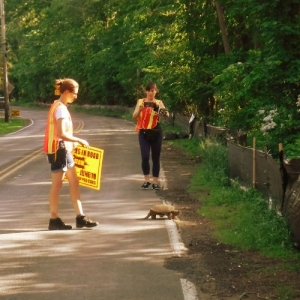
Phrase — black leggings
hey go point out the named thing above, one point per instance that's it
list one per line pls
(155, 147)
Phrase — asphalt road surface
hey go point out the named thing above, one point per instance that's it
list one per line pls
(122, 258)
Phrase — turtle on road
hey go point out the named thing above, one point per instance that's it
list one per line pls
(162, 210)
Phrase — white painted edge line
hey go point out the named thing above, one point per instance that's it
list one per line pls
(12, 133)
(188, 288)
(174, 237)
(175, 240)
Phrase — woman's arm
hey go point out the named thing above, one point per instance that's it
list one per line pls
(162, 106)
(64, 135)
(137, 110)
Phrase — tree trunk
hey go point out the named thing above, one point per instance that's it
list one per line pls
(223, 27)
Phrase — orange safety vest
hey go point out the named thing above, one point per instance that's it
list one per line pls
(51, 139)
(148, 118)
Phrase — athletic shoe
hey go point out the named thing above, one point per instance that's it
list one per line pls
(58, 224)
(83, 221)
(145, 185)
(155, 186)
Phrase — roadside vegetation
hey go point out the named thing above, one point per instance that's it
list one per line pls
(241, 217)
(14, 125)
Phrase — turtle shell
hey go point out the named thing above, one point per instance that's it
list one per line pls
(163, 208)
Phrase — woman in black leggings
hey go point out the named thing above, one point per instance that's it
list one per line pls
(147, 112)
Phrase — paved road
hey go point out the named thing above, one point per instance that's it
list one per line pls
(122, 258)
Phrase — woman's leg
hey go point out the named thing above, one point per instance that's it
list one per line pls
(57, 178)
(74, 190)
(155, 151)
(145, 153)
(81, 219)
(69, 171)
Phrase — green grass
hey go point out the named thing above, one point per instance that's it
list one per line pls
(241, 218)
(189, 146)
(285, 293)
(14, 124)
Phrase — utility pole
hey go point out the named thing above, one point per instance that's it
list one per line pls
(5, 79)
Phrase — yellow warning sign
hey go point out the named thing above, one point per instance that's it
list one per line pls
(88, 162)
(15, 112)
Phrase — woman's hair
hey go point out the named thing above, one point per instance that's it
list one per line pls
(66, 84)
(151, 85)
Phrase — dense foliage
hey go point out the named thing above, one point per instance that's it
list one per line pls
(233, 63)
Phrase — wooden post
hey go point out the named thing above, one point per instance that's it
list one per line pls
(254, 164)
(4, 53)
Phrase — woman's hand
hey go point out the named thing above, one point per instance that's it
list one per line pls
(141, 107)
(83, 143)
(163, 112)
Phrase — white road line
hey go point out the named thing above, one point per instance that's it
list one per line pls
(31, 123)
(175, 240)
(188, 288)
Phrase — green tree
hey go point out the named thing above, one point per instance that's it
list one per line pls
(224, 60)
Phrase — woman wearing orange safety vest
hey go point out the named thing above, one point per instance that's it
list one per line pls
(147, 112)
(59, 142)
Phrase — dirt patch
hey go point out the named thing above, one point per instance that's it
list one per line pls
(218, 271)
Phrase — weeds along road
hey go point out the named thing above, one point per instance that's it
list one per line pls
(122, 258)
